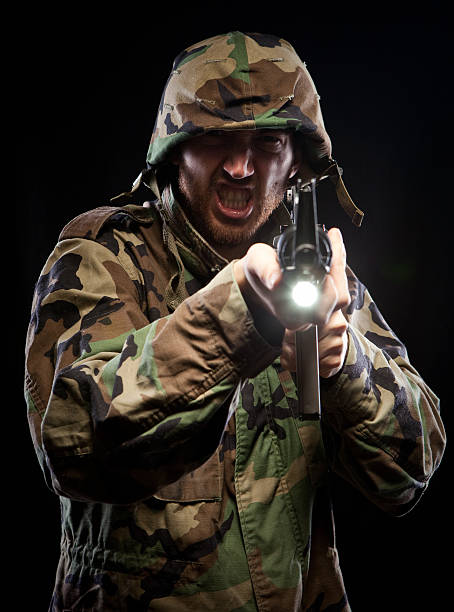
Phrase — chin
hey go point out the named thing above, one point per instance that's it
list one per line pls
(229, 236)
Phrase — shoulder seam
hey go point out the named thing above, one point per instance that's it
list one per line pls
(75, 227)
(89, 223)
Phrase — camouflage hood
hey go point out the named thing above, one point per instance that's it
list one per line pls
(239, 81)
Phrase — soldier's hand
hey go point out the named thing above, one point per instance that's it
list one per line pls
(259, 277)
(332, 346)
(260, 280)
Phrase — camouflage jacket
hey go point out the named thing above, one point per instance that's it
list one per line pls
(163, 419)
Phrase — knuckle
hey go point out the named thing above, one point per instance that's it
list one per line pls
(342, 327)
(344, 301)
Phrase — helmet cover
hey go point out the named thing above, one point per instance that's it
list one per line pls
(238, 81)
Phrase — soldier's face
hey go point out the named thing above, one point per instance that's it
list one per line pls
(230, 182)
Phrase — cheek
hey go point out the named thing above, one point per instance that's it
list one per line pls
(189, 165)
(281, 170)
(200, 163)
(191, 177)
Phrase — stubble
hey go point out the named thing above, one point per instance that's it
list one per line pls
(197, 203)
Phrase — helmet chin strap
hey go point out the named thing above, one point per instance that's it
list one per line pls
(332, 171)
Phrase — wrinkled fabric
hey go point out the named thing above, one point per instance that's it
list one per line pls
(238, 81)
(187, 480)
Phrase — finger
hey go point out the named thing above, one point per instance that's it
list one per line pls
(263, 278)
(327, 302)
(262, 266)
(252, 272)
(336, 325)
(332, 346)
(288, 357)
(338, 264)
(289, 337)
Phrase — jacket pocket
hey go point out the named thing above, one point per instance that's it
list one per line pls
(183, 523)
(203, 484)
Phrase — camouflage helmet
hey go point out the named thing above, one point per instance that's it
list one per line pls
(239, 81)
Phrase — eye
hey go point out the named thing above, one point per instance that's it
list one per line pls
(270, 141)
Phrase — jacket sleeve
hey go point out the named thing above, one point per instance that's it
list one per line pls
(383, 428)
(120, 405)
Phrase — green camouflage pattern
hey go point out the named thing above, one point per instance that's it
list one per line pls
(169, 428)
(238, 81)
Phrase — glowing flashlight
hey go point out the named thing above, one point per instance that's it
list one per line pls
(305, 294)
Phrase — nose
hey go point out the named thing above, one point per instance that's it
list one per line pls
(239, 163)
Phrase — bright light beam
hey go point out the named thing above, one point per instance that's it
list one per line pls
(305, 294)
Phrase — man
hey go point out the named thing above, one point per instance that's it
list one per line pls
(160, 356)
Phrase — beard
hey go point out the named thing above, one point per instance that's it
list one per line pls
(197, 202)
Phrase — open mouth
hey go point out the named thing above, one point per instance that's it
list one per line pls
(234, 203)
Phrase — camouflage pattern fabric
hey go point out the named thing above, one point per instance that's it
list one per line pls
(238, 81)
(167, 429)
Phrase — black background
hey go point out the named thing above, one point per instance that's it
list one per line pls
(85, 93)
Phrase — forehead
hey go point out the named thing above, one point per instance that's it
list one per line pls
(227, 137)
(250, 133)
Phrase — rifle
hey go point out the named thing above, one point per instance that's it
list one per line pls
(304, 253)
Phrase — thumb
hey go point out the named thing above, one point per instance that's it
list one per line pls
(338, 264)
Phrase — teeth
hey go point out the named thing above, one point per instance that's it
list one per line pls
(236, 199)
